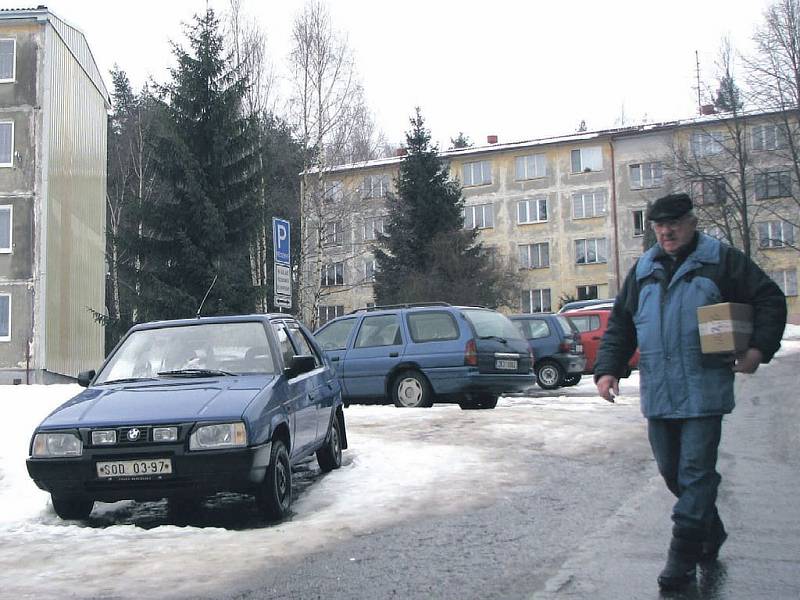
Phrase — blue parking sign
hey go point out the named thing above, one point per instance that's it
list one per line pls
(281, 240)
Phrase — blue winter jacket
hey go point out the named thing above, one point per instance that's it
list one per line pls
(676, 379)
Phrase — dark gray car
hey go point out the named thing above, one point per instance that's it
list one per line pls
(557, 351)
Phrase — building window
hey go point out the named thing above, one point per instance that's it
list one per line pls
(587, 159)
(588, 204)
(536, 301)
(638, 223)
(533, 210)
(707, 143)
(332, 274)
(770, 137)
(587, 292)
(775, 234)
(333, 191)
(369, 270)
(5, 229)
(786, 280)
(476, 173)
(5, 317)
(712, 190)
(8, 51)
(6, 143)
(646, 175)
(479, 216)
(333, 234)
(373, 227)
(773, 184)
(715, 232)
(530, 167)
(327, 312)
(590, 251)
(375, 186)
(534, 256)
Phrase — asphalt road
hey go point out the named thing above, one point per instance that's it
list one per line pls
(588, 525)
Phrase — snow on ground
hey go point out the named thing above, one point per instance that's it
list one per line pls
(402, 464)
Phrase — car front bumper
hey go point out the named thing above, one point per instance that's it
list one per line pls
(193, 473)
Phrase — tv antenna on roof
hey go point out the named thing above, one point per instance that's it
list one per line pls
(199, 308)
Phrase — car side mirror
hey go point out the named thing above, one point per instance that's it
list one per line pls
(300, 364)
(85, 378)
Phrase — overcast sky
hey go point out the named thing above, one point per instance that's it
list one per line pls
(519, 69)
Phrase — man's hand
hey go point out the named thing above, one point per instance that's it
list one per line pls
(745, 363)
(606, 385)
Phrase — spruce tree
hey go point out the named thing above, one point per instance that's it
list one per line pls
(208, 160)
(426, 255)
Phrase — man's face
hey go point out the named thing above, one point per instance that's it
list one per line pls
(675, 234)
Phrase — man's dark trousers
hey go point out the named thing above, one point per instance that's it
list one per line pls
(686, 453)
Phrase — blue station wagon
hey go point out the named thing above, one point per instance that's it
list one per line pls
(414, 355)
(184, 409)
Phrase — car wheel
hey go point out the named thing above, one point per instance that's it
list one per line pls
(483, 401)
(412, 390)
(329, 456)
(550, 375)
(275, 496)
(572, 379)
(72, 507)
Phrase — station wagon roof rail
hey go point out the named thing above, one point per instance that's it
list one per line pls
(404, 305)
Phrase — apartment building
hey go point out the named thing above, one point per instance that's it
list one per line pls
(53, 119)
(570, 211)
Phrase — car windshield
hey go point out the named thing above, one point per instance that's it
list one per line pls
(191, 351)
(488, 323)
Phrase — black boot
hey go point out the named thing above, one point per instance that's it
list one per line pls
(681, 567)
(712, 544)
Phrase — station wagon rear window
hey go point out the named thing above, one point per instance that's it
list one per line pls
(231, 347)
(488, 323)
(432, 326)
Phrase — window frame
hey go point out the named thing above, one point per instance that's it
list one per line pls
(338, 274)
(10, 162)
(780, 140)
(338, 311)
(10, 210)
(13, 77)
(529, 263)
(472, 208)
(584, 292)
(333, 190)
(586, 155)
(368, 185)
(536, 160)
(537, 202)
(655, 169)
(373, 230)
(6, 338)
(586, 242)
(766, 180)
(530, 296)
(582, 196)
(785, 280)
(333, 233)
(369, 274)
(485, 170)
(707, 143)
(639, 222)
(709, 191)
(779, 234)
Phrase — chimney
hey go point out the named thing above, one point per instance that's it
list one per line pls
(400, 151)
(707, 109)
(491, 139)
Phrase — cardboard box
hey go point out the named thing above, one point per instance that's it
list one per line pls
(725, 327)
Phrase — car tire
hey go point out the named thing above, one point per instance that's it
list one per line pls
(574, 379)
(549, 375)
(329, 456)
(72, 508)
(410, 389)
(275, 496)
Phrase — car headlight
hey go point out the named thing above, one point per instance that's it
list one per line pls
(225, 435)
(57, 444)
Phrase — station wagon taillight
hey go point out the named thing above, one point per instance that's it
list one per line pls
(565, 346)
(471, 354)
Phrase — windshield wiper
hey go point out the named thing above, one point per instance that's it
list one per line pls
(128, 380)
(195, 373)
(493, 337)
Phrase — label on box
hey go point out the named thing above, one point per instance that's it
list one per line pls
(725, 326)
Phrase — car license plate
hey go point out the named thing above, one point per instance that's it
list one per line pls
(505, 364)
(150, 467)
(579, 348)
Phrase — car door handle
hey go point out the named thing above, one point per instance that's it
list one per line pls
(335, 359)
(394, 354)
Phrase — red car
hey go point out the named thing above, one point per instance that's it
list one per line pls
(593, 324)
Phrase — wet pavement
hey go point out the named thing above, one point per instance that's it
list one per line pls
(759, 500)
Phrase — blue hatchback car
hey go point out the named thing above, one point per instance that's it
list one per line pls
(183, 409)
(414, 355)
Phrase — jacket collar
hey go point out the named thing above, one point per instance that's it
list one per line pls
(707, 252)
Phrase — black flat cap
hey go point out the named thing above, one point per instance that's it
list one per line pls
(668, 208)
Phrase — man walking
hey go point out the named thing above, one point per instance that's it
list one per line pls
(684, 393)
